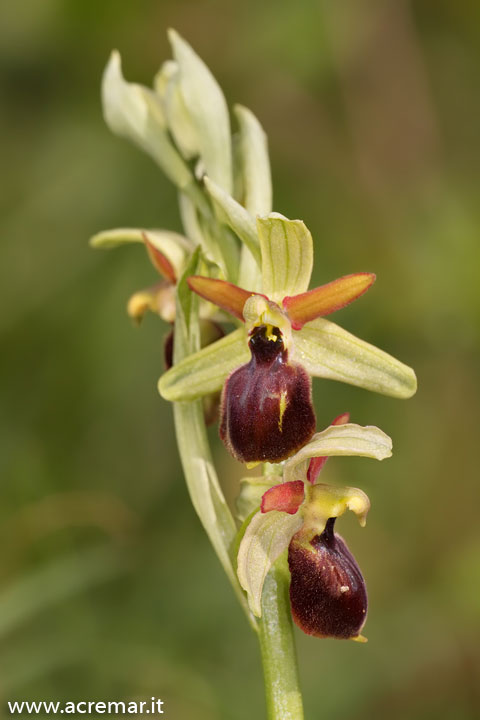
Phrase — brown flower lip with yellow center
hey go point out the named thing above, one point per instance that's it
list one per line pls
(327, 591)
(267, 411)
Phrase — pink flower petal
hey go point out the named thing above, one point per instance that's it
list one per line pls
(286, 497)
(224, 294)
(326, 299)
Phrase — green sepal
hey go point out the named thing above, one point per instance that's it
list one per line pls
(205, 371)
(349, 439)
(326, 350)
(266, 538)
(287, 256)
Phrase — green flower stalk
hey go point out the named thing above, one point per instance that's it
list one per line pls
(239, 262)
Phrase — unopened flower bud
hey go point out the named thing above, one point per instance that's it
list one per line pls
(267, 412)
(327, 591)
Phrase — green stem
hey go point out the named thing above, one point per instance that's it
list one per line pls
(277, 644)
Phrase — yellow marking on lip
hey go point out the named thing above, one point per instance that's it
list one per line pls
(270, 334)
(283, 407)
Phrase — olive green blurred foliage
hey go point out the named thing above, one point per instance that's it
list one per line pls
(108, 587)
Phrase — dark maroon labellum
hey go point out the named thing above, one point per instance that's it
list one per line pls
(267, 411)
(327, 591)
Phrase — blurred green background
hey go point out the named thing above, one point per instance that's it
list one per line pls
(108, 587)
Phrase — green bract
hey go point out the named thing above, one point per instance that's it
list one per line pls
(135, 112)
(266, 538)
(204, 104)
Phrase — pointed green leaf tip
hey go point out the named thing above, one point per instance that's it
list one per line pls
(287, 256)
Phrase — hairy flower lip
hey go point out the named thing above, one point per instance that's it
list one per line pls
(267, 412)
(328, 596)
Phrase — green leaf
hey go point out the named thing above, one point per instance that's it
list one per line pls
(205, 371)
(135, 112)
(265, 538)
(205, 103)
(235, 215)
(328, 351)
(287, 256)
(348, 439)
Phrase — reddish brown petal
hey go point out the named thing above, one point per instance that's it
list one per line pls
(286, 497)
(224, 294)
(160, 261)
(316, 463)
(326, 298)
